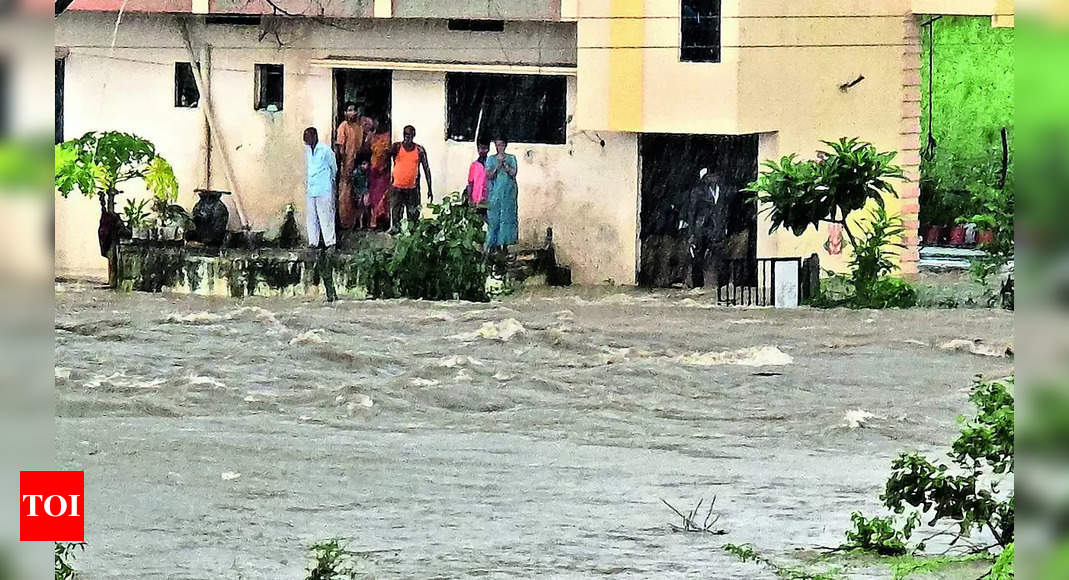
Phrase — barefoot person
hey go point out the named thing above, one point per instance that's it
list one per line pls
(503, 219)
(408, 158)
(348, 142)
(475, 192)
(319, 209)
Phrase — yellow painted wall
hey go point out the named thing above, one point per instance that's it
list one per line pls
(782, 64)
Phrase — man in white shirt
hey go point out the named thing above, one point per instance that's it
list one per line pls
(322, 175)
(320, 208)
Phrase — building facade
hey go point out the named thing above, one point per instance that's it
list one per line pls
(609, 103)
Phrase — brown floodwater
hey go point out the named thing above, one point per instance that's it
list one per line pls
(221, 438)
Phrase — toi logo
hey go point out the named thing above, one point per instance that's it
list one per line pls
(51, 506)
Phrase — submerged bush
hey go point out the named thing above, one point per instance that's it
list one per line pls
(837, 291)
(436, 259)
(881, 535)
(965, 492)
(331, 560)
(65, 553)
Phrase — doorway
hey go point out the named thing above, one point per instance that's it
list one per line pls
(371, 89)
(670, 169)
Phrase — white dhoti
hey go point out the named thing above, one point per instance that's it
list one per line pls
(319, 216)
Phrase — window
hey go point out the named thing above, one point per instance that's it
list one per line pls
(700, 31)
(520, 108)
(477, 25)
(185, 87)
(269, 84)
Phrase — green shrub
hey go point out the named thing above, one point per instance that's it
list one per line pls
(881, 535)
(888, 292)
(968, 495)
(873, 253)
(838, 291)
(1003, 568)
(440, 258)
(331, 560)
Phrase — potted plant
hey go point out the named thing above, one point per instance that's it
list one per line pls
(136, 215)
(96, 164)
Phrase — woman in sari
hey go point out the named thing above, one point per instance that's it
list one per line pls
(379, 181)
(503, 219)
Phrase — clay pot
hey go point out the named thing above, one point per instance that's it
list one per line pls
(932, 235)
(985, 237)
(210, 217)
(956, 237)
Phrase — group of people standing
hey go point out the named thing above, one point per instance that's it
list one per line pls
(367, 182)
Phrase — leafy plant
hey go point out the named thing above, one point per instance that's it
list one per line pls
(968, 495)
(437, 259)
(97, 163)
(848, 177)
(64, 555)
(994, 209)
(136, 213)
(871, 259)
(881, 535)
(331, 560)
(1003, 568)
(801, 194)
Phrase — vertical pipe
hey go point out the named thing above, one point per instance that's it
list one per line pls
(206, 81)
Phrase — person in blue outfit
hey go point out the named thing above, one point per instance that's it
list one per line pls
(503, 219)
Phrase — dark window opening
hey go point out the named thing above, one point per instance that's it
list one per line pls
(476, 25)
(186, 94)
(700, 31)
(269, 87)
(61, 76)
(519, 108)
(234, 19)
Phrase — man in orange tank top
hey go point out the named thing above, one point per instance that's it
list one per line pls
(408, 158)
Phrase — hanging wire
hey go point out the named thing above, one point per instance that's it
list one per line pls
(928, 153)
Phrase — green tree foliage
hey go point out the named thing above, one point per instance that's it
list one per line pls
(801, 194)
(972, 99)
(95, 164)
(846, 178)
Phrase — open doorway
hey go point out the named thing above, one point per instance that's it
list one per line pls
(671, 181)
(371, 89)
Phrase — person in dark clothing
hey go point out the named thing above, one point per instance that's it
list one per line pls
(709, 209)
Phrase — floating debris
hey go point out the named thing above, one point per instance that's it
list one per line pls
(856, 418)
(757, 356)
(310, 337)
(978, 347)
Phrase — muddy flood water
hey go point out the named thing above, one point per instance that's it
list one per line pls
(528, 438)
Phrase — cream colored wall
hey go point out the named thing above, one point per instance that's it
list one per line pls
(588, 194)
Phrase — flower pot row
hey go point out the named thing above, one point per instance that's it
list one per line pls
(957, 235)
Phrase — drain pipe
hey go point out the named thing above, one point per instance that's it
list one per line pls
(213, 127)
